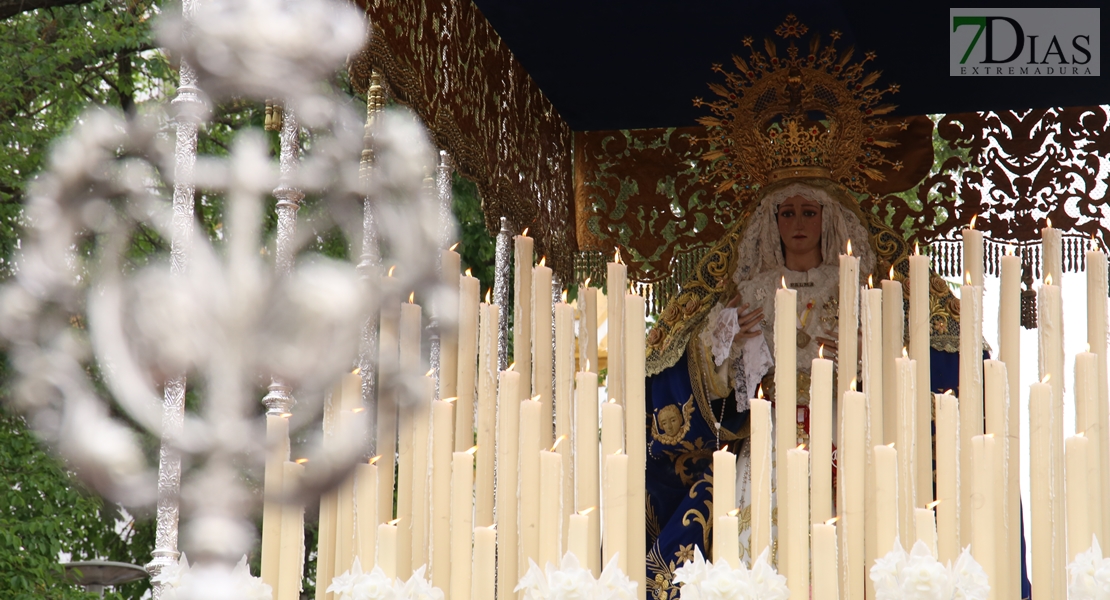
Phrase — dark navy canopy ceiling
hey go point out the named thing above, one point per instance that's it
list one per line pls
(629, 64)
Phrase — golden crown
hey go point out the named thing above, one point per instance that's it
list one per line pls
(812, 115)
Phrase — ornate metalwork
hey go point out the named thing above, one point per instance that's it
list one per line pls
(445, 61)
(501, 277)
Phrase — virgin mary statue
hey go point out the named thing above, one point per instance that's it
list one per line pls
(795, 139)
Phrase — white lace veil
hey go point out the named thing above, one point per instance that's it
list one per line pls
(760, 248)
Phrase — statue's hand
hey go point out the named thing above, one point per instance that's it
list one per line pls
(749, 319)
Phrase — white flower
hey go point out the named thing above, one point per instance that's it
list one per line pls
(767, 583)
(1089, 575)
(534, 583)
(614, 584)
(968, 578)
(923, 578)
(251, 587)
(886, 573)
(570, 581)
(418, 588)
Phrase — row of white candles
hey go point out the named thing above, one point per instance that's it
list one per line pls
(888, 492)
(548, 486)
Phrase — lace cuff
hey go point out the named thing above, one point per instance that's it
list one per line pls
(721, 329)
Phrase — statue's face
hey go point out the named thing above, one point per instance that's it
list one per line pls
(799, 222)
(670, 420)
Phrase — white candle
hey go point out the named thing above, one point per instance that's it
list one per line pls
(848, 324)
(1009, 351)
(635, 433)
(997, 410)
(487, 416)
(462, 504)
(468, 362)
(421, 465)
(578, 538)
(926, 525)
(948, 450)
(1040, 491)
(530, 445)
(970, 393)
(919, 349)
(522, 314)
(366, 503)
(871, 324)
(893, 343)
(387, 549)
(885, 462)
(973, 255)
(825, 562)
(1050, 325)
(586, 463)
(449, 304)
(982, 505)
(386, 440)
(443, 444)
(905, 380)
(349, 391)
(761, 475)
(1099, 457)
(615, 286)
(587, 333)
(820, 437)
(1079, 523)
(564, 399)
(615, 542)
(542, 350)
(786, 399)
(797, 565)
(485, 563)
(724, 487)
(292, 535)
(277, 452)
(551, 508)
(853, 463)
(726, 540)
(508, 455)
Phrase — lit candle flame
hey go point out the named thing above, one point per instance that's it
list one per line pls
(832, 521)
(453, 246)
(392, 269)
(734, 512)
(932, 504)
(558, 441)
(1046, 377)
(301, 461)
(973, 217)
(469, 272)
(450, 400)
(853, 384)
(394, 522)
(821, 351)
(374, 460)
(587, 511)
(525, 232)
(543, 261)
(412, 296)
(472, 450)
